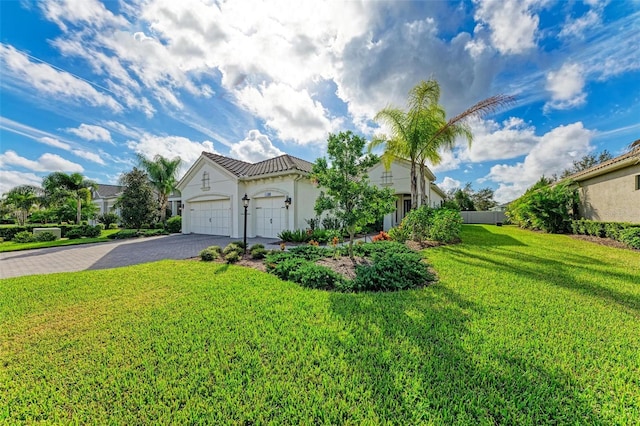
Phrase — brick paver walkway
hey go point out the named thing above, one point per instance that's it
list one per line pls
(111, 254)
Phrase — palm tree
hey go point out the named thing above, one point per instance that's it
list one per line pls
(163, 176)
(59, 185)
(21, 200)
(420, 133)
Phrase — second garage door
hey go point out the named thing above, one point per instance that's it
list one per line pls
(211, 217)
(270, 216)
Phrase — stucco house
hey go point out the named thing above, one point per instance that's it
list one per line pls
(105, 197)
(280, 191)
(610, 191)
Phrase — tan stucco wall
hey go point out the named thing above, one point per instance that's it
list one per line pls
(612, 197)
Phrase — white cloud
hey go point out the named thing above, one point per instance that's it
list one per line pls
(91, 133)
(449, 184)
(566, 87)
(492, 141)
(91, 156)
(171, 147)
(47, 80)
(512, 24)
(45, 163)
(254, 148)
(555, 151)
(54, 143)
(578, 27)
(10, 179)
(84, 12)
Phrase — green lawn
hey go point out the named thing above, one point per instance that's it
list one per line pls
(522, 328)
(11, 246)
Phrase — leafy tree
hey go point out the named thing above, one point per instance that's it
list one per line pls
(22, 200)
(546, 206)
(136, 203)
(587, 162)
(347, 191)
(483, 199)
(108, 218)
(421, 132)
(163, 174)
(60, 186)
(463, 200)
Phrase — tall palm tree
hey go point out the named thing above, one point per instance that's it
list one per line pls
(420, 133)
(163, 174)
(59, 185)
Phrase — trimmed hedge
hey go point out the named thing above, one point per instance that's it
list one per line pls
(613, 230)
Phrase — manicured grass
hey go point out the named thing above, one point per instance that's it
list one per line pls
(523, 328)
(11, 246)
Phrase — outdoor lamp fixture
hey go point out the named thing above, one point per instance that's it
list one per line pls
(245, 202)
(287, 202)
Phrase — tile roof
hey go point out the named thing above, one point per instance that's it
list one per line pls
(603, 167)
(282, 163)
(108, 191)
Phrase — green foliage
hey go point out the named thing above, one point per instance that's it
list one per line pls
(74, 234)
(137, 205)
(400, 233)
(309, 252)
(273, 258)
(23, 237)
(69, 191)
(45, 236)
(297, 236)
(240, 244)
(108, 218)
(380, 249)
(163, 177)
(323, 236)
(113, 226)
(315, 276)
(124, 234)
(545, 207)
(21, 200)
(345, 187)
(331, 222)
(174, 224)
(154, 232)
(391, 272)
(232, 257)
(208, 255)
(286, 266)
(233, 247)
(631, 237)
(424, 223)
(314, 223)
(258, 253)
(446, 225)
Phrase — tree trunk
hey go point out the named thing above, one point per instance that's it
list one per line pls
(423, 187)
(351, 236)
(79, 212)
(414, 186)
(164, 200)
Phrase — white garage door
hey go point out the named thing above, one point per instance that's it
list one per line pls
(211, 217)
(270, 216)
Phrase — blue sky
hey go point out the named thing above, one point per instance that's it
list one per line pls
(86, 85)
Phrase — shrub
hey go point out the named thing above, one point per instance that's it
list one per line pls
(154, 232)
(399, 234)
(382, 236)
(232, 257)
(74, 234)
(174, 224)
(233, 247)
(298, 236)
(123, 234)
(396, 271)
(310, 252)
(631, 237)
(90, 231)
(23, 237)
(210, 253)
(445, 225)
(323, 236)
(272, 259)
(315, 276)
(314, 223)
(258, 253)
(113, 226)
(108, 218)
(240, 244)
(331, 222)
(46, 236)
(284, 268)
(380, 248)
(418, 222)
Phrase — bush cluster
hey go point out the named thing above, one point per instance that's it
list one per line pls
(210, 253)
(233, 252)
(258, 251)
(124, 234)
(108, 218)
(394, 267)
(425, 223)
(8, 233)
(23, 237)
(84, 231)
(174, 224)
(619, 231)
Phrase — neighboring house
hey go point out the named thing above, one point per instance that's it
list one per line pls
(213, 188)
(105, 197)
(610, 191)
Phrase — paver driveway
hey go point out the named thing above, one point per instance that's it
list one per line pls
(111, 254)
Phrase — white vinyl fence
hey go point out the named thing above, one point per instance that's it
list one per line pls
(483, 217)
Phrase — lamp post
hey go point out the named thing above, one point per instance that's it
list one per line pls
(245, 202)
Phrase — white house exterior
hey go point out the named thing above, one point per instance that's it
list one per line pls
(213, 188)
(398, 178)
